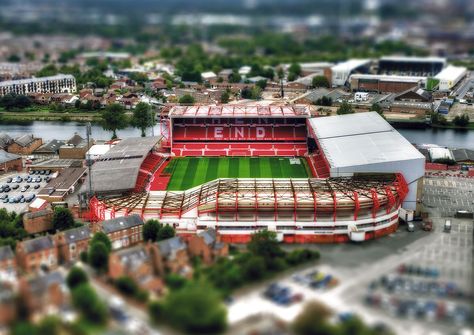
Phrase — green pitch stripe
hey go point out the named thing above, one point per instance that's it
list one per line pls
(234, 164)
(265, 170)
(188, 179)
(244, 167)
(201, 171)
(222, 167)
(180, 166)
(275, 167)
(254, 165)
(212, 167)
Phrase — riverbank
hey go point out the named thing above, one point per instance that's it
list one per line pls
(44, 113)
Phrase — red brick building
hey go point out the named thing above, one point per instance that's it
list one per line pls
(208, 246)
(25, 145)
(71, 243)
(136, 262)
(37, 253)
(123, 231)
(38, 221)
(9, 162)
(171, 255)
(8, 266)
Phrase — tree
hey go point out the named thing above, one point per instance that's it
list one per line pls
(62, 219)
(85, 299)
(324, 101)
(438, 119)
(101, 237)
(165, 232)
(235, 77)
(265, 244)
(127, 286)
(140, 77)
(254, 268)
(345, 108)
(313, 320)
(295, 70)
(114, 118)
(376, 108)
(184, 310)
(320, 81)
(461, 120)
(76, 277)
(186, 99)
(98, 257)
(150, 230)
(261, 83)
(225, 97)
(142, 117)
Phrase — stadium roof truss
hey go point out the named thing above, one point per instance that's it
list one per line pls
(319, 196)
(241, 111)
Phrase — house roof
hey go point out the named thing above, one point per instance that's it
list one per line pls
(6, 252)
(209, 236)
(121, 223)
(133, 257)
(50, 147)
(24, 140)
(40, 284)
(171, 245)
(77, 234)
(7, 157)
(75, 140)
(5, 140)
(37, 214)
(38, 244)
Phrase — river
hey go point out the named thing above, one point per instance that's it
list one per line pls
(49, 130)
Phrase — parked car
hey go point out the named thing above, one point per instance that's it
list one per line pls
(16, 186)
(9, 180)
(37, 186)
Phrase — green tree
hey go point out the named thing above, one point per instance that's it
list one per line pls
(165, 232)
(225, 97)
(235, 77)
(438, 119)
(76, 277)
(254, 268)
(376, 108)
(85, 299)
(295, 69)
(461, 120)
(101, 237)
(150, 230)
(261, 83)
(142, 117)
(184, 310)
(320, 81)
(62, 219)
(127, 286)
(314, 320)
(114, 118)
(48, 70)
(265, 244)
(186, 99)
(50, 325)
(98, 257)
(345, 108)
(139, 77)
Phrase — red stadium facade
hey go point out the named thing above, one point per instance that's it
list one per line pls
(238, 130)
(299, 210)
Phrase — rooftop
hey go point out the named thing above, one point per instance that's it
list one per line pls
(121, 223)
(387, 77)
(350, 65)
(413, 59)
(239, 111)
(38, 244)
(169, 246)
(360, 139)
(451, 72)
(6, 252)
(7, 157)
(77, 234)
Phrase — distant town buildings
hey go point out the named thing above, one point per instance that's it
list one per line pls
(61, 83)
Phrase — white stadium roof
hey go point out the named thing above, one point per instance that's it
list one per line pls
(350, 65)
(366, 143)
(361, 139)
(413, 59)
(451, 72)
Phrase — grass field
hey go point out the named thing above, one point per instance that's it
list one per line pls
(187, 172)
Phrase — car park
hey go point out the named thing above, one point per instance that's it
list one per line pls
(3, 196)
(9, 180)
(37, 186)
(16, 186)
(29, 197)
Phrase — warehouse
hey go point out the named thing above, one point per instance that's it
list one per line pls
(366, 143)
(450, 77)
(382, 83)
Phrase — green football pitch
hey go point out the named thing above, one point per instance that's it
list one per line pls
(187, 172)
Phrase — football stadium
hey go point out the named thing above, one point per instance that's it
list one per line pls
(241, 169)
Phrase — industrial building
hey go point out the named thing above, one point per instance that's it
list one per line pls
(450, 77)
(60, 83)
(382, 83)
(342, 71)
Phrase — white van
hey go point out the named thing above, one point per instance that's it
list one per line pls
(447, 226)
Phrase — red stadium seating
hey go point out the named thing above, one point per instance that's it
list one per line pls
(151, 163)
(318, 165)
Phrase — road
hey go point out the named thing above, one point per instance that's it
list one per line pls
(465, 86)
